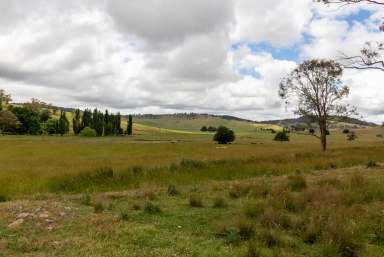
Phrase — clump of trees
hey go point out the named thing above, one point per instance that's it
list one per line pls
(224, 135)
(208, 129)
(281, 136)
(317, 88)
(104, 124)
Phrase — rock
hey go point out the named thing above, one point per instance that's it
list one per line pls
(24, 215)
(44, 215)
(16, 223)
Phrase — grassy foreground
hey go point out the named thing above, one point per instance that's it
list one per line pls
(335, 213)
(165, 194)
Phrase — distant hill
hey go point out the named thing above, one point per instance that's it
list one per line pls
(335, 122)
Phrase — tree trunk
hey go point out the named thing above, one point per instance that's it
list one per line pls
(323, 134)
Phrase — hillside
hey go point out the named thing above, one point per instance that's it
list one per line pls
(194, 122)
(336, 122)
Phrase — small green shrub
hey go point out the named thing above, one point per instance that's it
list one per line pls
(124, 215)
(254, 209)
(86, 199)
(98, 208)
(219, 202)
(379, 135)
(346, 131)
(136, 207)
(151, 208)
(88, 132)
(172, 191)
(281, 136)
(195, 201)
(238, 190)
(297, 182)
(3, 198)
(372, 164)
(191, 164)
(224, 135)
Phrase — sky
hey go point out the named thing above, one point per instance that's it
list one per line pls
(171, 56)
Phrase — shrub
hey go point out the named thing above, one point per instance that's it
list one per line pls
(98, 208)
(281, 136)
(172, 191)
(195, 201)
(86, 199)
(3, 198)
(239, 190)
(372, 164)
(327, 132)
(151, 208)
(204, 129)
(351, 136)
(88, 132)
(136, 207)
(379, 135)
(312, 131)
(346, 131)
(253, 209)
(224, 135)
(297, 182)
(219, 202)
(255, 251)
(191, 164)
(124, 215)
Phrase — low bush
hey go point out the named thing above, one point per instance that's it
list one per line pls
(219, 202)
(191, 164)
(346, 131)
(238, 190)
(224, 135)
(98, 207)
(195, 201)
(88, 132)
(172, 191)
(254, 209)
(3, 198)
(297, 182)
(151, 208)
(124, 215)
(372, 164)
(281, 136)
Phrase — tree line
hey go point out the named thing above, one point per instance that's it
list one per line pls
(35, 118)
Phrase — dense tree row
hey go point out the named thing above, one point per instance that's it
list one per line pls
(35, 118)
(106, 124)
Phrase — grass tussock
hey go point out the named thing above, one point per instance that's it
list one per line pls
(195, 200)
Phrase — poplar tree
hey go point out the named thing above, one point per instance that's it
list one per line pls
(76, 123)
(130, 126)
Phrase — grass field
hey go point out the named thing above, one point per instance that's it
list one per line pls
(167, 193)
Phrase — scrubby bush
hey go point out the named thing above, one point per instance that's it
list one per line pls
(351, 136)
(172, 191)
(151, 208)
(281, 136)
(224, 135)
(346, 131)
(191, 164)
(219, 202)
(88, 132)
(204, 129)
(124, 215)
(297, 182)
(86, 199)
(98, 207)
(238, 190)
(3, 198)
(195, 201)
(372, 164)
(312, 131)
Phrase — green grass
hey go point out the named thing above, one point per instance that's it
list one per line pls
(324, 219)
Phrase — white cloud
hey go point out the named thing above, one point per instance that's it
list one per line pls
(170, 55)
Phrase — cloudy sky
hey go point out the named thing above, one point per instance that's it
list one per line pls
(166, 56)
